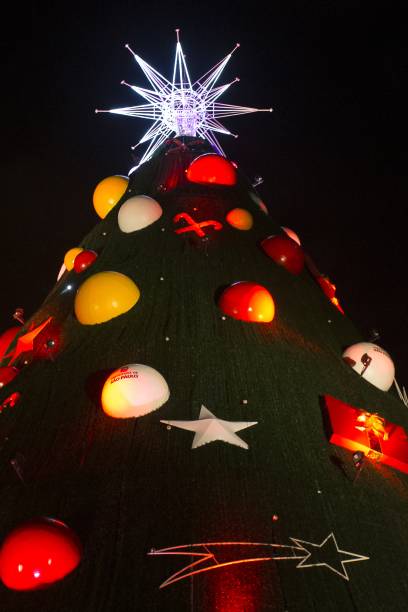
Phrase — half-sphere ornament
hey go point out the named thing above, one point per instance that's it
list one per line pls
(240, 219)
(285, 252)
(83, 260)
(133, 391)
(291, 234)
(69, 258)
(247, 301)
(211, 168)
(7, 373)
(372, 362)
(104, 296)
(6, 338)
(38, 553)
(108, 193)
(137, 213)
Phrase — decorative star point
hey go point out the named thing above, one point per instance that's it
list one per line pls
(209, 428)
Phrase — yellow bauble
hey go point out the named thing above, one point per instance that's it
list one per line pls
(104, 296)
(108, 193)
(70, 257)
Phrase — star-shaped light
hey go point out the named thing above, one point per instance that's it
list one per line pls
(208, 428)
(180, 107)
(26, 343)
(329, 550)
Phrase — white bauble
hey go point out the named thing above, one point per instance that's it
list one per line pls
(134, 390)
(137, 213)
(372, 363)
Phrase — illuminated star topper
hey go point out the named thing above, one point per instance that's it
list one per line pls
(180, 107)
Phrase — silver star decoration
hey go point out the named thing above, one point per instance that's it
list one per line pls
(208, 428)
(180, 107)
(327, 549)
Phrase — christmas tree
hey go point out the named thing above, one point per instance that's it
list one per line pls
(190, 421)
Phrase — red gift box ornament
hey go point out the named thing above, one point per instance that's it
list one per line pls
(359, 430)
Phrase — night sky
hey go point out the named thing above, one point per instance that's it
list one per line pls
(331, 154)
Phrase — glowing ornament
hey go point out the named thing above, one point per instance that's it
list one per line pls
(108, 193)
(285, 252)
(372, 363)
(133, 391)
(37, 554)
(291, 234)
(137, 213)
(10, 401)
(83, 260)
(329, 290)
(7, 374)
(70, 258)
(7, 338)
(240, 218)
(366, 434)
(211, 168)
(103, 296)
(194, 226)
(248, 302)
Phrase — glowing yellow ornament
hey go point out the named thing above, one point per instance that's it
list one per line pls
(70, 257)
(104, 296)
(108, 193)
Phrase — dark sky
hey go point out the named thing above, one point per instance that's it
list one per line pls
(332, 154)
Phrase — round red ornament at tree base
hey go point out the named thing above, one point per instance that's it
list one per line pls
(7, 374)
(38, 553)
(285, 252)
(247, 301)
(83, 260)
(211, 168)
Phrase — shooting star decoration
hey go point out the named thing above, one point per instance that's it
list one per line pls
(213, 555)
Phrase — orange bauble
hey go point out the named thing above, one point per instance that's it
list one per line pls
(211, 168)
(240, 218)
(70, 256)
(248, 302)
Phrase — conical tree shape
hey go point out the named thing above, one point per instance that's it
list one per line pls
(134, 486)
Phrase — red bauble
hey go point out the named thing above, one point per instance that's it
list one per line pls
(7, 338)
(285, 252)
(83, 260)
(211, 168)
(38, 553)
(248, 302)
(7, 374)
